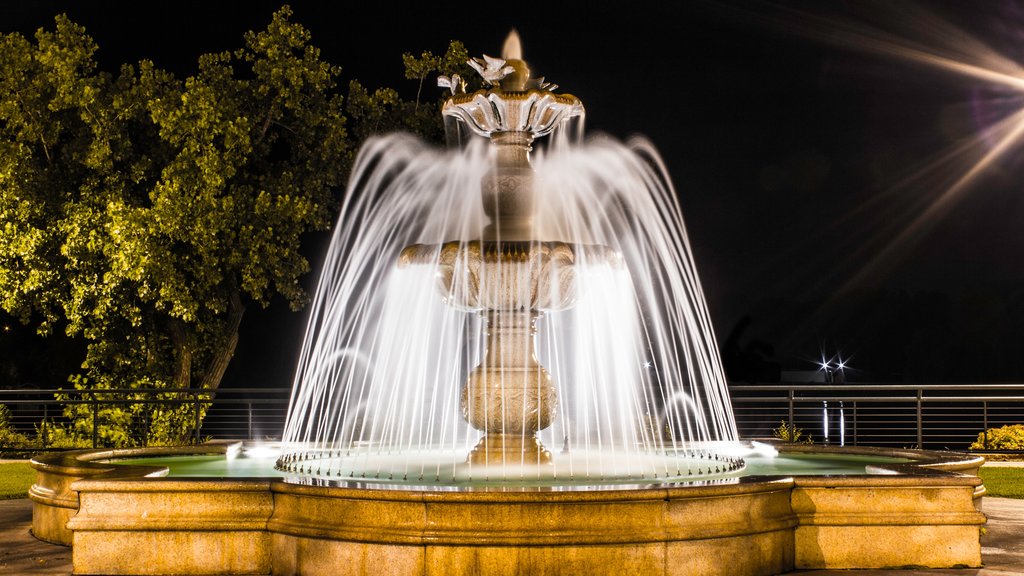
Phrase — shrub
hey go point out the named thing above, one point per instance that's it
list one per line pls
(142, 415)
(1006, 438)
(792, 435)
(9, 437)
(23, 444)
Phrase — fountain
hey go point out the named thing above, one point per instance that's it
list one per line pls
(582, 260)
(509, 368)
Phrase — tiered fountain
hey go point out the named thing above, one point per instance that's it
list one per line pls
(509, 369)
(634, 379)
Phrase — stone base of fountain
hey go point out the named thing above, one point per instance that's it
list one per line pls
(924, 513)
(509, 449)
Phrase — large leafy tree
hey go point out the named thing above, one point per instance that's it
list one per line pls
(143, 213)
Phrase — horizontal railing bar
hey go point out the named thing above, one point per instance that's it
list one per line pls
(734, 388)
(867, 386)
(899, 399)
(185, 391)
(936, 415)
(182, 401)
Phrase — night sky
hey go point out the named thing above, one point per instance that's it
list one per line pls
(815, 146)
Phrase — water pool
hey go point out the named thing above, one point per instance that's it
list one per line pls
(248, 465)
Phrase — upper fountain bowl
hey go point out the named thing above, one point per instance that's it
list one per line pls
(490, 111)
(514, 102)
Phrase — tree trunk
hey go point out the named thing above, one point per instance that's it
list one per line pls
(222, 357)
(183, 371)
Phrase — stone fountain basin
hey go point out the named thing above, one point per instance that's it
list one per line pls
(128, 519)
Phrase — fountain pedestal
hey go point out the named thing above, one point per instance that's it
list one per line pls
(509, 396)
(508, 274)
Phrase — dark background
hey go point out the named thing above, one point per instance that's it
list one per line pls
(808, 158)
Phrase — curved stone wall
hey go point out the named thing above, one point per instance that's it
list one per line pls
(677, 530)
(128, 523)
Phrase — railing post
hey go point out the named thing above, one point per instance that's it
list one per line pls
(854, 422)
(95, 419)
(984, 420)
(920, 427)
(249, 436)
(195, 395)
(791, 428)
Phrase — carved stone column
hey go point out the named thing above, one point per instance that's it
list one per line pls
(509, 396)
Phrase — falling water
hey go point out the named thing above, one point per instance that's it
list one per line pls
(598, 321)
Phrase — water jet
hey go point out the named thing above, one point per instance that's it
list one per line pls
(492, 307)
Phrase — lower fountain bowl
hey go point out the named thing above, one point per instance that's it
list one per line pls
(921, 511)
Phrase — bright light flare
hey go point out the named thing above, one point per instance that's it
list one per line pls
(947, 47)
(915, 34)
(267, 452)
(1012, 128)
(744, 450)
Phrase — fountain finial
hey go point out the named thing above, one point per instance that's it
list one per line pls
(518, 79)
(513, 48)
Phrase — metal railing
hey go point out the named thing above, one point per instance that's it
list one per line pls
(934, 416)
(230, 413)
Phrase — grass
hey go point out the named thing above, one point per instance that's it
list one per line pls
(1003, 482)
(15, 480)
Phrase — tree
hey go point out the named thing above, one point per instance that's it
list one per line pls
(384, 110)
(143, 213)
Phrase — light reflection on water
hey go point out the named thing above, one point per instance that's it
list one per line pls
(247, 466)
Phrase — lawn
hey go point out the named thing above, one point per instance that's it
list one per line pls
(1003, 482)
(15, 479)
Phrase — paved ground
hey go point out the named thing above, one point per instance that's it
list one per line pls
(1002, 546)
(22, 554)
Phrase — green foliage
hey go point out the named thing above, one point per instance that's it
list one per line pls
(52, 435)
(15, 479)
(383, 110)
(144, 213)
(454, 61)
(792, 435)
(9, 437)
(1004, 438)
(145, 416)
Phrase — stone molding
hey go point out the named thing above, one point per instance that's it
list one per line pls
(128, 523)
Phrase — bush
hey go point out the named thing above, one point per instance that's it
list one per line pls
(54, 435)
(792, 435)
(1006, 438)
(125, 418)
(9, 437)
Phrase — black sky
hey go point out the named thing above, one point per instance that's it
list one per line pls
(787, 148)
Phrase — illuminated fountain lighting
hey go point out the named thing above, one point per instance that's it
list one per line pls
(488, 318)
(830, 375)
